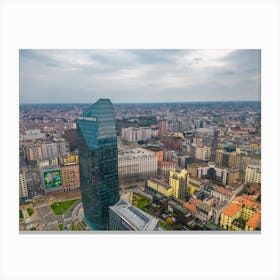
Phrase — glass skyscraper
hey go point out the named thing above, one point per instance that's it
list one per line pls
(98, 159)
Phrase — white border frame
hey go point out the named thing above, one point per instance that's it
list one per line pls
(158, 24)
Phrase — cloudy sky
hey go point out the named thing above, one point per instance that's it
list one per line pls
(83, 76)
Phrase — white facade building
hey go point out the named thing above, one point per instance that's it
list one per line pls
(137, 162)
(33, 134)
(135, 134)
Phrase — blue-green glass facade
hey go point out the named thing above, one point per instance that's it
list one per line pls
(98, 160)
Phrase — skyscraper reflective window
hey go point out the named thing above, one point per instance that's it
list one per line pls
(98, 153)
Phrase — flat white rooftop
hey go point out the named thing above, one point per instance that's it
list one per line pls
(135, 217)
(135, 153)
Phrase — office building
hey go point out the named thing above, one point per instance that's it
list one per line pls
(203, 153)
(157, 186)
(70, 176)
(98, 161)
(62, 145)
(214, 145)
(32, 135)
(23, 191)
(172, 143)
(163, 127)
(253, 174)
(228, 159)
(135, 134)
(33, 152)
(49, 150)
(185, 161)
(178, 181)
(175, 126)
(124, 216)
(156, 150)
(71, 136)
(137, 162)
(217, 174)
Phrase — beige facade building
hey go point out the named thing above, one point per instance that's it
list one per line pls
(203, 153)
(253, 174)
(178, 181)
(23, 191)
(70, 176)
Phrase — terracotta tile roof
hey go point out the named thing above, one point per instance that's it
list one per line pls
(248, 201)
(194, 201)
(232, 209)
(224, 191)
(190, 207)
(254, 220)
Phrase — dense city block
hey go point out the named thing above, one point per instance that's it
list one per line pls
(140, 167)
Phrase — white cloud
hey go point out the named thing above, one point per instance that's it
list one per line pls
(153, 75)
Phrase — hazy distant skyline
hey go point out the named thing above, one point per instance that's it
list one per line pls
(128, 76)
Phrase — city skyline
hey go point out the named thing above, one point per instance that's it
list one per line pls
(154, 76)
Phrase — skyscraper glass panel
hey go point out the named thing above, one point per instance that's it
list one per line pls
(98, 153)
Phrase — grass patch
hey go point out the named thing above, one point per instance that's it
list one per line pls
(60, 208)
(60, 227)
(72, 226)
(30, 211)
(20, 215)
(165, 225)
(141, 202)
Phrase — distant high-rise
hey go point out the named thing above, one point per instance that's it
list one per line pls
(98, 159)
(214, 145)
(163, 127)
(23, 191)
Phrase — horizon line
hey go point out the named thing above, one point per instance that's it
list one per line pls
(148, 102)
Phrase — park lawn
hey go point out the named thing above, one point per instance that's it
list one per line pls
(20, 215)
(30, 211)
(60, 208)
(61, 227)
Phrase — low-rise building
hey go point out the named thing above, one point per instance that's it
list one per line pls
(254, 223)
(72, 157)
(123, 216)
(240, 214)
(51, 178)
(216, 174)
(159, 186)
(193, 186)
(203, 211)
